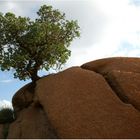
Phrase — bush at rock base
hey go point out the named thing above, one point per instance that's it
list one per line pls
(6, 115)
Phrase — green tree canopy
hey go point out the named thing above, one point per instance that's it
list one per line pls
(27, 46)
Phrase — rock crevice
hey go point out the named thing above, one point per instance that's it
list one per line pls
(122, 75)
(118, 90)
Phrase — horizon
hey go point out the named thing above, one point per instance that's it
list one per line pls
(109, 28)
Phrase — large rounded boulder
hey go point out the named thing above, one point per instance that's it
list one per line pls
(100, 99)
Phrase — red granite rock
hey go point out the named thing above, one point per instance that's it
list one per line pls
(80, 104)
(100, 99)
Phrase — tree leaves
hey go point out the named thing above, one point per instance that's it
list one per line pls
(28, 46)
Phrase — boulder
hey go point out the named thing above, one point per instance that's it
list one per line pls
(80, 104)
(100, 99)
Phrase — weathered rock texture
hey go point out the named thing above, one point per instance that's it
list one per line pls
(100, 99)
(23, 98)
(122, 74)
(31, 123)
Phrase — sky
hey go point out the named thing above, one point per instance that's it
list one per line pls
(109, 28)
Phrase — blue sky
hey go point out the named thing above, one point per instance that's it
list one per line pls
(108, 28)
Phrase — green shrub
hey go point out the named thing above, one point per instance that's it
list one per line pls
(6, 115)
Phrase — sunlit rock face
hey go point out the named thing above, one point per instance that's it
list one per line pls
(100, 99)
(123, 76)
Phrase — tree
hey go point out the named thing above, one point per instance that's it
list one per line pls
(27, 46)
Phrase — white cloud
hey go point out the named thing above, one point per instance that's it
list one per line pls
(5, 104)
(122, 24)
(11, 6)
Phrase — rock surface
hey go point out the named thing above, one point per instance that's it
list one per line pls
(23, 97)
(103, 66)
(31, 123)
(100, 99)
(123, 76)
(126, 85)
(1, 131)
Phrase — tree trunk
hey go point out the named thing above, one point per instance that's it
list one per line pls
(34, 76)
